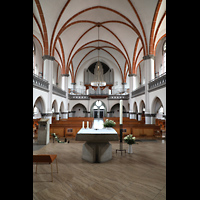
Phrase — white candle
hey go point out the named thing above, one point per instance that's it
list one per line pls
(121, 112)
(87, 124)
(83, 124)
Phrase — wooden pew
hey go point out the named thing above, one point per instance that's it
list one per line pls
(69, 127)
(46, 159)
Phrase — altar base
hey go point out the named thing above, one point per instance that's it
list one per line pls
(97, 147)
(97, 152)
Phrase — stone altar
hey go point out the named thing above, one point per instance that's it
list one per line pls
(97, 147)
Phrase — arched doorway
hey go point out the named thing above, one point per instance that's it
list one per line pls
(79, 110)
(135, 111)
(141, 114)
(38, 108)
(98, 110)
(115, 110)
(157, 108)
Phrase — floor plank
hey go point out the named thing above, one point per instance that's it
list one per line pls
(140, 175)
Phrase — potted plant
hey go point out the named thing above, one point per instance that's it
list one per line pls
(129, 139)
(109, 123)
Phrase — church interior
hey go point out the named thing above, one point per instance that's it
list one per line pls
(95, 60)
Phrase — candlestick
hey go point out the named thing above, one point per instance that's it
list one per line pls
(87, 124)
(121, 112)
(83, 124)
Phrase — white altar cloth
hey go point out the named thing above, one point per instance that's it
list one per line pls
(97, 131)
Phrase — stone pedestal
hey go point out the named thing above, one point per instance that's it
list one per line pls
(97, 152)
(43, 131)
(97, 147)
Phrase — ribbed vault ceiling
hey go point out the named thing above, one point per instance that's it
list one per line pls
(124, 31)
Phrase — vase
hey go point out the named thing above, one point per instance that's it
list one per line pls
(130, 148)
(108, 128)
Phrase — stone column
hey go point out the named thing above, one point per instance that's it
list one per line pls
(65, 88)
(56, 115)
(131, 116)
(134, 115)
(123, 87)
(153, 118)
(64, 115)
(149, 69)
(134, 81)
(48, 75)
(139, 116)
(130, 92)
(74, 86)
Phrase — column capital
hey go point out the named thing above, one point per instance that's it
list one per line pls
(56, 113)
(132, 75)
(48, 57)
(46, 114)
(150, 56)
(64, 112)
(65, 75)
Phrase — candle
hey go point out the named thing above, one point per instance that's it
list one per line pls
(83, 124)
(87, 124)
(121, 112)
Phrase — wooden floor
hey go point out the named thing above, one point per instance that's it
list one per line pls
(137, 176)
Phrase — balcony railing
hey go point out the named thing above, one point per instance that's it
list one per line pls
(118, 97)
(138, 91)
(78, 97)
(98, 91)
(40, 83)
(58, 91)
(157, 83)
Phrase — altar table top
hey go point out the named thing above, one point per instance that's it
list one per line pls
(99, 135)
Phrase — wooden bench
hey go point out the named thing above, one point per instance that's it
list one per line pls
(44, 158)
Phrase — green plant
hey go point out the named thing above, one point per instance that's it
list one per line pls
(109, 123)
(129, 139)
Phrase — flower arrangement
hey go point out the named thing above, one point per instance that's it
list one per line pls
(129, 139)
(109, 123)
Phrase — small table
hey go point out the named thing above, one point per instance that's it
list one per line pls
(97, 147)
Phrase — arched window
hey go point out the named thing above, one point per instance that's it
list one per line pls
(33, 56)
(35, 69)
(164, 57)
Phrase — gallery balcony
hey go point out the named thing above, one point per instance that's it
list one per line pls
(102, 92)
(157, 83)
(98, 92)
(58, 91)
(139, 91)
(40, 83)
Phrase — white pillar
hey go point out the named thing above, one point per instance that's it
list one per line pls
(131, 115)
(130, 93)
(153, 118)
(48, 75)
(57, 115)
(134, 81)
(65, 88)
(149, 68)
(140, 117)
(134, 115)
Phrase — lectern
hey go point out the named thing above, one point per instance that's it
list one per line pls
(43, 131)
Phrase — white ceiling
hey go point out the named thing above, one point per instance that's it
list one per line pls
(76, 31)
